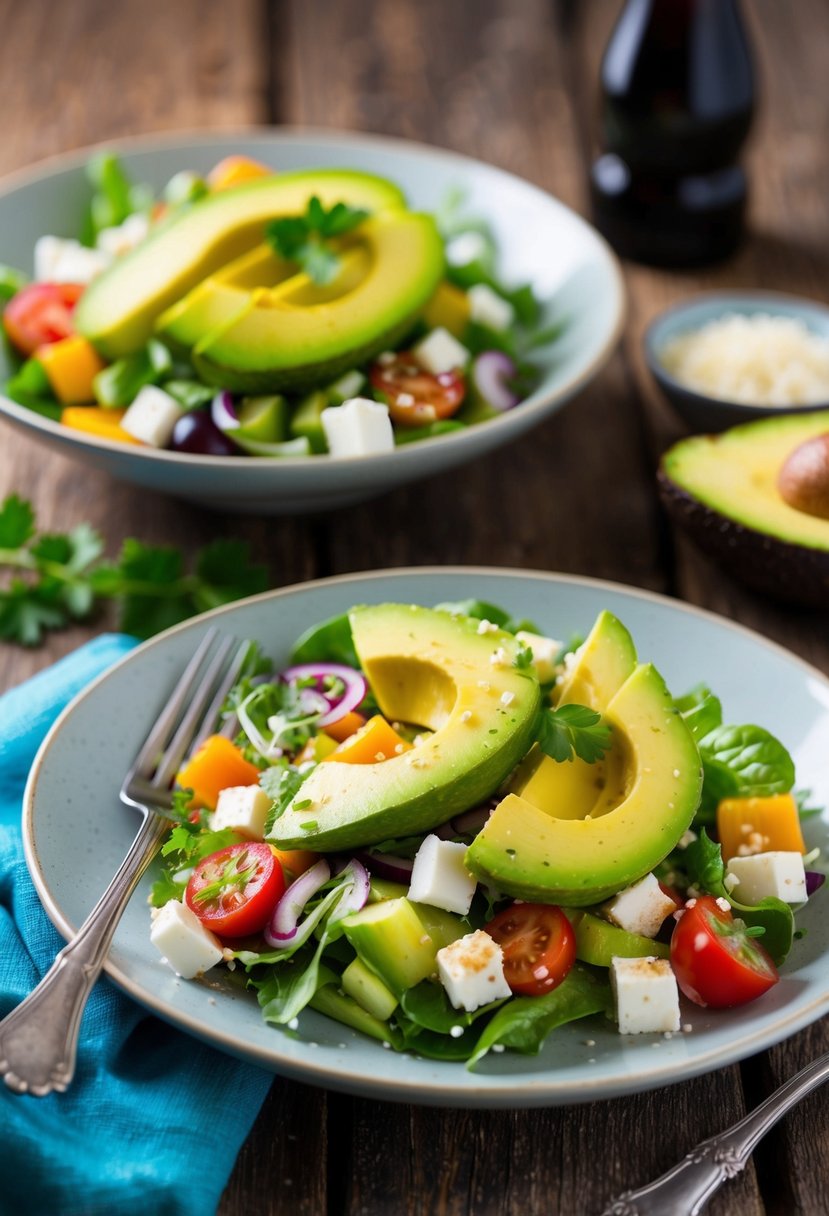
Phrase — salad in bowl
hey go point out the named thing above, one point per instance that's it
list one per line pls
(266, 313)
(454, 834)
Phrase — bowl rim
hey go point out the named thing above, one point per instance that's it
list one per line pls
(264, 133)
(728, 299)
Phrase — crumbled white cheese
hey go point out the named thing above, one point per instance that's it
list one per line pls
(641, 908)
(152, 416)
(358, 427)
(472, 971)
(779, 874)
(647, 997)
(545, 651)
(67, 261)
(187, 946)
(244, 808)
(439, 352)
(488, 308)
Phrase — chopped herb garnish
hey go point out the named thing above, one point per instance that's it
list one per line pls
(306, 239)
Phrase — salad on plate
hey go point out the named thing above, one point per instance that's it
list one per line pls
(259, 313)
(454, 834)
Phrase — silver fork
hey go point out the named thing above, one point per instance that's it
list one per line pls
(39, 1038)
(686, 1188)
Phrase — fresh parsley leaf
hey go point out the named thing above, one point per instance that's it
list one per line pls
(524, 658)
(57, 577)
(573, 730)
(306, 239)
(282, 783)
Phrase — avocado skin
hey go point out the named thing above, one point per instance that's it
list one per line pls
(784, 570)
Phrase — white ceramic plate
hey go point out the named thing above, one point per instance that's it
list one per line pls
(77, 833)
(540, 240)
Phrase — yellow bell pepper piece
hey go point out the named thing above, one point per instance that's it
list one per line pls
(71, 365)
(759, 825)
(449, 308)
(96, 421)
(216, 766)
(234, 171)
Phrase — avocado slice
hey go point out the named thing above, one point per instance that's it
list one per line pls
(600, 666)
(533, 854)
(299, 335)
(118, 311)
(437, 671)
(723, 491)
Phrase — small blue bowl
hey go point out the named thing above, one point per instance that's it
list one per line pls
(699, 411)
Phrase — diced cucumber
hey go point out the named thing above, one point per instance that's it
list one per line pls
(306, 422)
(597, 942)
(443, 927)
(384, 888)
(348, 385)
(368, 990)
(393, 941)
(334, 1004)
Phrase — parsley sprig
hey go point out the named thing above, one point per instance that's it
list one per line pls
(55, 578)
(306, 239)
(573, 730)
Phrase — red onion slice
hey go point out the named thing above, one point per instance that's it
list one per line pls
(285, 920)
(223, 412)
(355, 687)
(492, 373)
(388, 865)
(814, 880)
(355, 896)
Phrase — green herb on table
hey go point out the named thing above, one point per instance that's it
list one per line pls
(306, 239)
(55, 578)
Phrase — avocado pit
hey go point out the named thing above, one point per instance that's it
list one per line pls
(803, 481)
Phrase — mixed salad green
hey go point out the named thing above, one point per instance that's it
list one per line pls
(253, 313)
(492, 915)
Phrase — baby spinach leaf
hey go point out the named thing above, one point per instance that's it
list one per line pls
(701, 710)
(746, 761)
(524, 1022)
(329, 642)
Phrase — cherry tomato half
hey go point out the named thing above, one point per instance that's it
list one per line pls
(41, 313)
(539, 946)
(233, 892)
(716, 962)
(415, 397)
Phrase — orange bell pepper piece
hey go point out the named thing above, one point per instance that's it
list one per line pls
(216, 766)
(97, 421)
(759, 825)
(294, 861)
(71, 365)
(235, 171)
(345, 727)
(375, 741)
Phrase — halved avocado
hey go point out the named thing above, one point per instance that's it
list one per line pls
(436, 671)
(534, 854)
(300, 335)
(723, 490)
(118, 311)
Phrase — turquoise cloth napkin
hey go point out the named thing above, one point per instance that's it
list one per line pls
(153, 1121)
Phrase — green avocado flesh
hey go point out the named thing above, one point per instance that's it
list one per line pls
(119, 310)
(435, 671)
(629, 811)
(298, 334)
(735, 476)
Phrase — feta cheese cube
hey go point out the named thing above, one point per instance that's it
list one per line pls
(121, 239)
(187, 946)
(472, 971)
(641, 908)
(779, 874)
(646, 993)
(440, 352)
(544, 651)
(152, 416)
(465, 248)
(66, 261)
(488, 308)
(244, 808)
(440, 878)
(358, 427)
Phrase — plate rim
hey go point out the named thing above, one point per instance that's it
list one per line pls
(429, 1090)
(502, 425)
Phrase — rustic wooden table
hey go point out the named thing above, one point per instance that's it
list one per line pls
(513, 83)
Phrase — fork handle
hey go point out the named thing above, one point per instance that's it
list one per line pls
(686, 1188)
(39, 1038)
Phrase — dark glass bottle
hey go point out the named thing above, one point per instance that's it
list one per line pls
(677, 103)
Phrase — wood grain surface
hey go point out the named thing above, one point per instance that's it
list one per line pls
(512, 82)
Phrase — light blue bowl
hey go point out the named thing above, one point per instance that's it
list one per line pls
(704, 413)
(540, 241)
